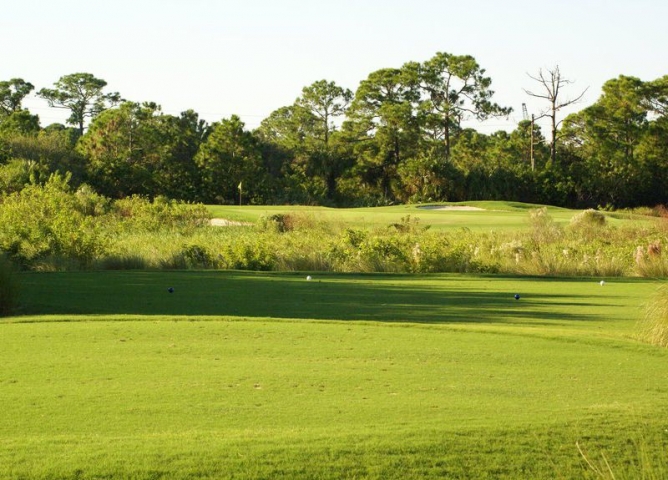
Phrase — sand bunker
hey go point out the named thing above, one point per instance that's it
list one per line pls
(451, 207)
(222, 222)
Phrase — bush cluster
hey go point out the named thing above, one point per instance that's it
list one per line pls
(51, 227)
(137, 214)
(43, 225)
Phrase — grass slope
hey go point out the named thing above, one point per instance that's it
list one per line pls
(495, 215)
(246, 375)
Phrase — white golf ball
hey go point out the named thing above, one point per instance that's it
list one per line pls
(602, 282)
(308, 277)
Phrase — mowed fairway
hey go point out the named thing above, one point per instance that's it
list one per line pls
(249, 375)
(488, 215)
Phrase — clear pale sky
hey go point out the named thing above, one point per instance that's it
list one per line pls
(250, 57)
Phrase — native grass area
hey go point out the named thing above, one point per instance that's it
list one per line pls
(53, 228)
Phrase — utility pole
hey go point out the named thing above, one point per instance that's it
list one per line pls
(533, 162)
(525, 114)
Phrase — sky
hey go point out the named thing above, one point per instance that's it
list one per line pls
(251, 57)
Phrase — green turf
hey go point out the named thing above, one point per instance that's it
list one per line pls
(495, 215)
(248, 375)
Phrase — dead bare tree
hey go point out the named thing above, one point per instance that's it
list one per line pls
(552, 83)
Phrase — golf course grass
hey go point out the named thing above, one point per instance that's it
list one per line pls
(484, 216)
(270, 375)
(447, 216)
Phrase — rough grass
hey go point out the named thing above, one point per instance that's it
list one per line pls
(300, 241)
(108, 375)
(507, 238)
(654, 327)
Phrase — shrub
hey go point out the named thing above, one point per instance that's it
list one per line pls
(448, 253)
(422, 252)
(587, 225)
(288, 222)
(276, 223)
(47, 222)
(8, 287)
(247, 254)
(122, 262)
(139, 214)
(18, 173)
(191, 256)
(543, 227)
(354, 237)
(587, 219)
(384, 254)
(91, 203)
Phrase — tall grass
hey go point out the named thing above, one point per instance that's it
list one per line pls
(649, 260)
(80, 231)
(654, 327)
(303, 243)
(640, 463)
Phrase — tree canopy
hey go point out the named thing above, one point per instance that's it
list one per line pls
(400, 136)
(81, 93)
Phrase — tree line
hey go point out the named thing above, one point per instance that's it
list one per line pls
(398, 138)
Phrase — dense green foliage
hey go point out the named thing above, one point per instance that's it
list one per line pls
(108, 375)
(50, 226)
(81, 94)
(398, 138)
(49, 222)
(8, 287)
(53, 227)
